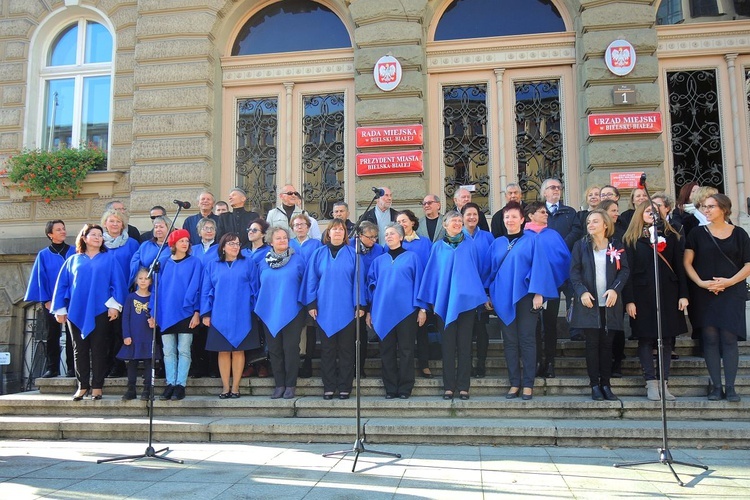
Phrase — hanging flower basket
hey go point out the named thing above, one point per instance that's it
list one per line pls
(53, 174)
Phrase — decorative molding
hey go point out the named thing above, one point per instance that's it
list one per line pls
(692, 40)
(285, 67)
(98, 183)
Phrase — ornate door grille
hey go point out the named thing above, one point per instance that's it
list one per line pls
(465, 142)
(695, 129)
(539, 136)
(255, 161)
(323, 158)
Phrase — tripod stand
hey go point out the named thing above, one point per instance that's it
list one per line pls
(665, 456)
(359, 440)
(150, 451)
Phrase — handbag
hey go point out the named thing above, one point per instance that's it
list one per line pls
(713, 238)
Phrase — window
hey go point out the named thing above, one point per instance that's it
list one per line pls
(670, 12)
(701, 8)
(76, 82)
(486, 18)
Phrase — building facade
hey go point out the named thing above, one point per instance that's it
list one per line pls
(187, 95)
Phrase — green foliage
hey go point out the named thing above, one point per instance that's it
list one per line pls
(54, 174)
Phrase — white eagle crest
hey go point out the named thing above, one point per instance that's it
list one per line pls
(387, 72)
(620, 57)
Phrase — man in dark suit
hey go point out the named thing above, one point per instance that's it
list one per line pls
(461, 198)
(512, 193)
(205, 209)
(239, 219)
(382, 214)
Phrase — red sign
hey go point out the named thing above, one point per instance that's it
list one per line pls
(625, 123)
(625, 180)
(399, 135)
(400, 162)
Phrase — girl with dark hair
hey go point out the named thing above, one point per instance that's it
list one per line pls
(228, 293)
(88, 295)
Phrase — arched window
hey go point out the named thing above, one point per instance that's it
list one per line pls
(76, 81)
(290, 26)
(487, 18)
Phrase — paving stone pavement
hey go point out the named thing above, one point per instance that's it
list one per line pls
(68, 470)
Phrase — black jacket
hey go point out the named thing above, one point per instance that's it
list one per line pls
(236, 221)
(497, 225)
(370, 215)
(583, 279)
(566, 222)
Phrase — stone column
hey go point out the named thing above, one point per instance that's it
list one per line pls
(392, 27)
(737, 104)
(600, 23)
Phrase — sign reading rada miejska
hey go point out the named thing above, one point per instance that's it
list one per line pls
(397, 135)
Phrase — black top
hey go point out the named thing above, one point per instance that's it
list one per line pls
(236, 221)
(431, 226)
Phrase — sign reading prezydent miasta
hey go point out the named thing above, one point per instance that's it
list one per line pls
(399, 162)
(625, 123)
(396, 135)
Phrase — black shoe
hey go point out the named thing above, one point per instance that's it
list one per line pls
(597, 394)
(550, 373)
(70, 374)
(328, 396)
(129, 394)
(390, 395)
(344, 395)
(167, 394)
(715, 394)
(480, 372)
(732, 395)
(50, 374)
(146, 393)
(305, 370)
(540, 369)
(608, 394)
(403, 396)
(578, 337)
(179, 392)
(617, 369)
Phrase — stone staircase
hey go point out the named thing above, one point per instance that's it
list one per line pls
(561, 412)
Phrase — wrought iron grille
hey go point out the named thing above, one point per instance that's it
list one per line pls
(695, 129)
(539, 136)
(255, 162)
(465, 143)
(323, 158)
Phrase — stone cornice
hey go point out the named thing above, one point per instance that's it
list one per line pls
(283, 67)
(703, 39)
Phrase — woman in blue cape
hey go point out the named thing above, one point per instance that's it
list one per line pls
(482, 240)
(228, 292)
(41, 286)
(280, 311)
(305, 246)
(206, 250)
(146, 253)
(329, 292)
(177, 311)
(519, 277)
(395, 311)
(451, 284)
(256, 250)
(88, 295)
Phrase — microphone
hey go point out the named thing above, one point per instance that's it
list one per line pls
(378, 192)
(642, 181)
(182, 204)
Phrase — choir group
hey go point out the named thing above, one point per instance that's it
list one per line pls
(234, 283)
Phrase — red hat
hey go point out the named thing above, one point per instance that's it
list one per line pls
(177, 236)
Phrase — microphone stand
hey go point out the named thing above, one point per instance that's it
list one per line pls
(360, 438)
(153, 272)
(665, 456)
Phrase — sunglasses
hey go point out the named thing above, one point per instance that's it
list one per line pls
(291, 193)
(253, 230)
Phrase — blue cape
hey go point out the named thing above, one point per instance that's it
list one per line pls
(278, 302)
(144, 257)
(179, 291)
(366, 260)
(557, 252)
(124, 255)
(451, 281)
(84, 285)
(44, 273)
(482, 241)
(228, 294)
(306, 249)
(205, 256)
(421, 247)
(392, 287)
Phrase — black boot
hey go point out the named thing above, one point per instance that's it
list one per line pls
(305, 369)
(608, 394)
(129, 394)
(550, 373)
(146, 393)
(617, 369)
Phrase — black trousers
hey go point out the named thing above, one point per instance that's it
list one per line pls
(114, 339)
(283, 349)
(546, 333)
(599, 351)
(482, 337)
(132, 366)
(363, 339)
(397, 356)
(423, 342)
(337, 359)
(650, 365)
(54, 331)
(90, 354)
(457, 344)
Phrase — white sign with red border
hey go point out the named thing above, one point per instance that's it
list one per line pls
(387, 73)
(620, 57)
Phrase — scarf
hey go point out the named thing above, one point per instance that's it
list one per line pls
(113, 243)
(364, 250)
(413, 236)
(278, 260)
(454, 241)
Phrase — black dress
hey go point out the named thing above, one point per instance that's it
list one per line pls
(726, 310)
(641, 288)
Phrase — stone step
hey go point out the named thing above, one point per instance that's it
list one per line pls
(542, 406)
(591, 432)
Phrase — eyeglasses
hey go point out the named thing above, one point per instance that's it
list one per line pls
(542, 212)
(606, 195)
(427, 203)
(232, 244)
(370, 237)
(554, 187)
(291, 193)
(209, 229)
(253, 230)
(299, 224)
